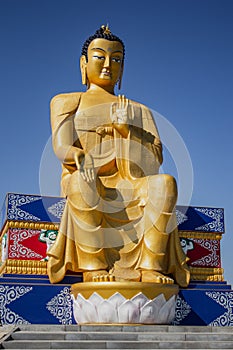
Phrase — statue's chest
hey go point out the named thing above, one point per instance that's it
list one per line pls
(86, 124)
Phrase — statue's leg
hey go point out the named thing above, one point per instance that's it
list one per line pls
(159, 222)
(84, 201)
(145, 260)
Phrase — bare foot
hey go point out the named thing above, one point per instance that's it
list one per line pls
(155, 277)
(97, 276)
(122, 275)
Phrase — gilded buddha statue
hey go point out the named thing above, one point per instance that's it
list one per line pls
(118, 222)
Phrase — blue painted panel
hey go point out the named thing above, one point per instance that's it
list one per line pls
(210, 307)
(35, 279)
(209, 285)
(33, 208)
(200, 219)
(35, 304)
(203, 306)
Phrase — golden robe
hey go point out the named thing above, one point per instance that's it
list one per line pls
(113, 221)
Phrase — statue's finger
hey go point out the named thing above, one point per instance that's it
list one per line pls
(126, 103)
(119, 102)
(83, 175)
(122, 102)
(92, 175)
(87, 175)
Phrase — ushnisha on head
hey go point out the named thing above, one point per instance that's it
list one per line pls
(102, 59)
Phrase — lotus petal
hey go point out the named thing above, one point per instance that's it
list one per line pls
(117, 299)
(167, 310)
(140, 300)
(80, 300)
(89, 312)
(149, 313)
(128, 312)
(95, 299)
(172, 314)
(160, 300)
(107, 313)
(78, 313)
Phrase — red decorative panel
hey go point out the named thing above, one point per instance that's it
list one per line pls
(204, 253)
(24, 244)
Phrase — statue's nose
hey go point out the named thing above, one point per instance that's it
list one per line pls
(107, 62)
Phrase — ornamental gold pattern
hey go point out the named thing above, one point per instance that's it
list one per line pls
(24, 267)
(207, 274)
(200, 235)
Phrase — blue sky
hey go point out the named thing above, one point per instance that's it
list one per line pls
(179, 56)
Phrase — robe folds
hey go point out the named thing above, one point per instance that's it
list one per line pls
(114, 221)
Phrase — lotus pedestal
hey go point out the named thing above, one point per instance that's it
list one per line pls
(124, 302)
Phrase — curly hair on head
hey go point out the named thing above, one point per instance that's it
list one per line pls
(102, 33)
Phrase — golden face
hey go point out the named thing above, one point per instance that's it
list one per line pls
(105, 62)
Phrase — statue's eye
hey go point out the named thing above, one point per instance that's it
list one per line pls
(116, 59)
(98, 57)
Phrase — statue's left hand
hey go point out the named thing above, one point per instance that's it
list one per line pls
(87, 168)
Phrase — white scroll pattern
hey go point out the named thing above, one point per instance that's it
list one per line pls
(182, 310)
(15, 212)
(224, 299)
(61, 306)
(7, 295)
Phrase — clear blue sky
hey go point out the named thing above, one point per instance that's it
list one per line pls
(179, 62)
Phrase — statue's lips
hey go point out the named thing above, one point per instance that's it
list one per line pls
(106, 74)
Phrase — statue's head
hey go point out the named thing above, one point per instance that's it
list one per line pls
(102, 59)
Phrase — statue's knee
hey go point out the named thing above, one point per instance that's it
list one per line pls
(165, 181)
(165, 190)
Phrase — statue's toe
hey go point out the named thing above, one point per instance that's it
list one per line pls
(155, 277)
(95, 276)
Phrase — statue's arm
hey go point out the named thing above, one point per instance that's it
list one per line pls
(63, 108)
(150, 128)
(158, 149)
(63, 144)
(122, 128)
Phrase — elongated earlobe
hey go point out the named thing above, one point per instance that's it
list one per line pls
(119, 83)
(83, 68)
(120, 79)
(84, 76)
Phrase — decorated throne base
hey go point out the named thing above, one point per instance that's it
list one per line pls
(124, 302)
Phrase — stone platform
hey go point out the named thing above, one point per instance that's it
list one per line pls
(31, 299)
(29, 226)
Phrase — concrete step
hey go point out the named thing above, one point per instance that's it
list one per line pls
(97, 344)
(124, 328)
(142, 336)
(118, 337)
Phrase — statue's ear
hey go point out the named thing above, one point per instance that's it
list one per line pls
(120, 77)
(83, 68)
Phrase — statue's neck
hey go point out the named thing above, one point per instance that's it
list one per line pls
(98, 89)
